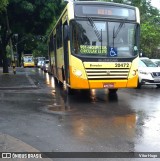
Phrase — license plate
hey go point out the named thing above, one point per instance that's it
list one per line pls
(108, 85)
(157, 80)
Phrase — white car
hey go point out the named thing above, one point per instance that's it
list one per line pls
(40, 63)
(45, 66)
(148, 73)
(156, 61)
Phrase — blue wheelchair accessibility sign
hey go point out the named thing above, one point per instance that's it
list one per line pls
(113, 52)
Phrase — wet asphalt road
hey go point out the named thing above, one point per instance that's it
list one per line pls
(88, 121)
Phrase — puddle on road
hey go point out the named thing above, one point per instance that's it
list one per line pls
(116, 121)
(58, 108)
(49, 80)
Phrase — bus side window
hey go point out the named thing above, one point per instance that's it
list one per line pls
(75, 40)
(59, 35)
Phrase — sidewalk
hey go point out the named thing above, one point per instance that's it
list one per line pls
(10, 145)
(20, 80)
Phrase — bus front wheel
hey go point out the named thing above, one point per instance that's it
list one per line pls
(112, 91)
(158, 85)
(139, 85)
(69, 90)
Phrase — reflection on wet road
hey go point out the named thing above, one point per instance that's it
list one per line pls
(127, 121)
(49, 120)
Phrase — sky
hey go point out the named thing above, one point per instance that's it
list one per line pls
(156, 3)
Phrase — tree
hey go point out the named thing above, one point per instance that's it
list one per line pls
(5, 38)
(3, 29)
(150, 28)
(3, 5)
(25, 17)
(150, 36)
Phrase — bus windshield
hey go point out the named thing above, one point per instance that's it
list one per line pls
(101, 38)
(28, 59)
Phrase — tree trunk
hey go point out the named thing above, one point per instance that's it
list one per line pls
(1, 64)
(5, 61)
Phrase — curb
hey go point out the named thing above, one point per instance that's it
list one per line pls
(10, 144)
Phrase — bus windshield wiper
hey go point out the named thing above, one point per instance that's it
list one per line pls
(115, 33)
(118, 30)
(99, 36)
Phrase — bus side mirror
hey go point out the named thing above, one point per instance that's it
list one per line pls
(66, 32)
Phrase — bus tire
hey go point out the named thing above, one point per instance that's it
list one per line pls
(69, 90)
(139, 85)
(158, 85)
(113, 91)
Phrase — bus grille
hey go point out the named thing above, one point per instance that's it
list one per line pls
(107, 73)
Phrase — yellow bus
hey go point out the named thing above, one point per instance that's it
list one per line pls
(28, 61)
(95, 45)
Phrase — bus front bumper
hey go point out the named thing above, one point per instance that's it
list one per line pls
(78, 83)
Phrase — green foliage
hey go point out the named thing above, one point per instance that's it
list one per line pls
(150, 36)
(3, 5)
(41, 50)
(150, 28)
(30, 18)
(27, 6)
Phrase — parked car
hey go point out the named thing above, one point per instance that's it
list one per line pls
(45, 65)
(39, 61)
(148, 73)
(156, 61)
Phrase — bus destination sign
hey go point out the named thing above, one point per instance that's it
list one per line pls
(106, 11)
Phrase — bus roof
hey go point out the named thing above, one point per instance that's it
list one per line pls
(103, 3)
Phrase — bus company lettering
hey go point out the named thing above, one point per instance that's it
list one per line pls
(95, 65)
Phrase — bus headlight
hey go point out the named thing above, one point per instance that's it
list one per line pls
(78, 73)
